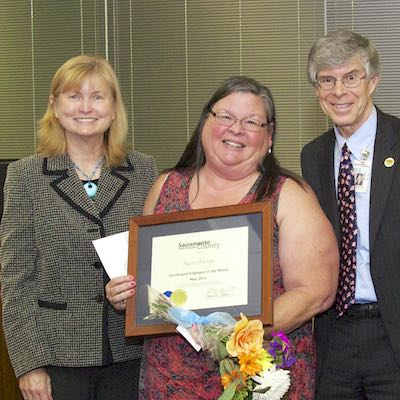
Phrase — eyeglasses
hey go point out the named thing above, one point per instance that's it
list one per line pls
(248, 124)
(349, 81)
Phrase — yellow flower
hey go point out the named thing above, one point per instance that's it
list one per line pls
(246, 335)
(227, 379)
(253, 361)
(266, 361)
(248, 364)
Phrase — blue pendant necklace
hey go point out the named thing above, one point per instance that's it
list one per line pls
(90, 186)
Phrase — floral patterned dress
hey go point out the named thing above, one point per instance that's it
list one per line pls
(173, 370)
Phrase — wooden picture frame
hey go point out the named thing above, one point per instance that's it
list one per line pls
(254, 219)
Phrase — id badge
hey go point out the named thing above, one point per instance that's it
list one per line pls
(362, 170)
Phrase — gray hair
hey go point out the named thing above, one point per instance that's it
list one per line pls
(340, 47)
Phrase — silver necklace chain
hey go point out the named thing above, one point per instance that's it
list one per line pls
(89, 178)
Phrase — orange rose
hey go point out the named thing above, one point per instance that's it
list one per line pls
(246, 335)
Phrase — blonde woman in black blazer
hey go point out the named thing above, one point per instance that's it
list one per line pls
(63, 338)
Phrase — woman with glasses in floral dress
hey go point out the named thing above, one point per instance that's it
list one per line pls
(229, 160)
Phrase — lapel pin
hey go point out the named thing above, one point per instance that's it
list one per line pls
(389, 162)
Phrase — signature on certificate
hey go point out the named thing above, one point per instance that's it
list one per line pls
(220, 291)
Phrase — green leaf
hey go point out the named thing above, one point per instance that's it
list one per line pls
(229, 392)
(221, 350)
(242, 394)
(226, 366)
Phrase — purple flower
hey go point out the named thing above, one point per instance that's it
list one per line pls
(281, 335)
(280, 349)
(288, 360)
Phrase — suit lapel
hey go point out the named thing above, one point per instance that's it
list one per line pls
(382, 177)
(112, 184)
(66, 183)
(327, 177)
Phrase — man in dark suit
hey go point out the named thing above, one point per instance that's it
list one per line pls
(358, 339)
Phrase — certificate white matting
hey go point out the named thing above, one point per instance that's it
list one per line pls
(210, 266)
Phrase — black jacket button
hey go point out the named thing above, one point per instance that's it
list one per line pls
(99, 298)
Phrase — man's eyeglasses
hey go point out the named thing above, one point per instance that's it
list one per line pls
(349, 81)
(248, 124)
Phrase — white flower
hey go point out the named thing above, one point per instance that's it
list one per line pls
(272, 385)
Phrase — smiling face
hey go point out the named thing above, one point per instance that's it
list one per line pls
(85, 112)
(348, 108)
(233, 150)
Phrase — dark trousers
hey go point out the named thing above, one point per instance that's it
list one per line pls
(114, 382)
(358, 361)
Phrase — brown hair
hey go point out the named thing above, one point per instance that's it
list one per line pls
(193, 157)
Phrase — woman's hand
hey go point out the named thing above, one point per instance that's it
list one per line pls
(119, 289)
(35, 385)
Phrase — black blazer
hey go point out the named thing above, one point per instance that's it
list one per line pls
(318, 170)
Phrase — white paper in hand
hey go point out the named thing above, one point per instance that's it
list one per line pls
(113, 253)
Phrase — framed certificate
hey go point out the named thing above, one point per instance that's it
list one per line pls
(213, 259)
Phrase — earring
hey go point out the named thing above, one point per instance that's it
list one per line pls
(269, 150)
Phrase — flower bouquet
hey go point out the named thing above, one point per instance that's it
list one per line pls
(249, 368)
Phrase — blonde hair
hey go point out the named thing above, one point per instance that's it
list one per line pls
(70, 76)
